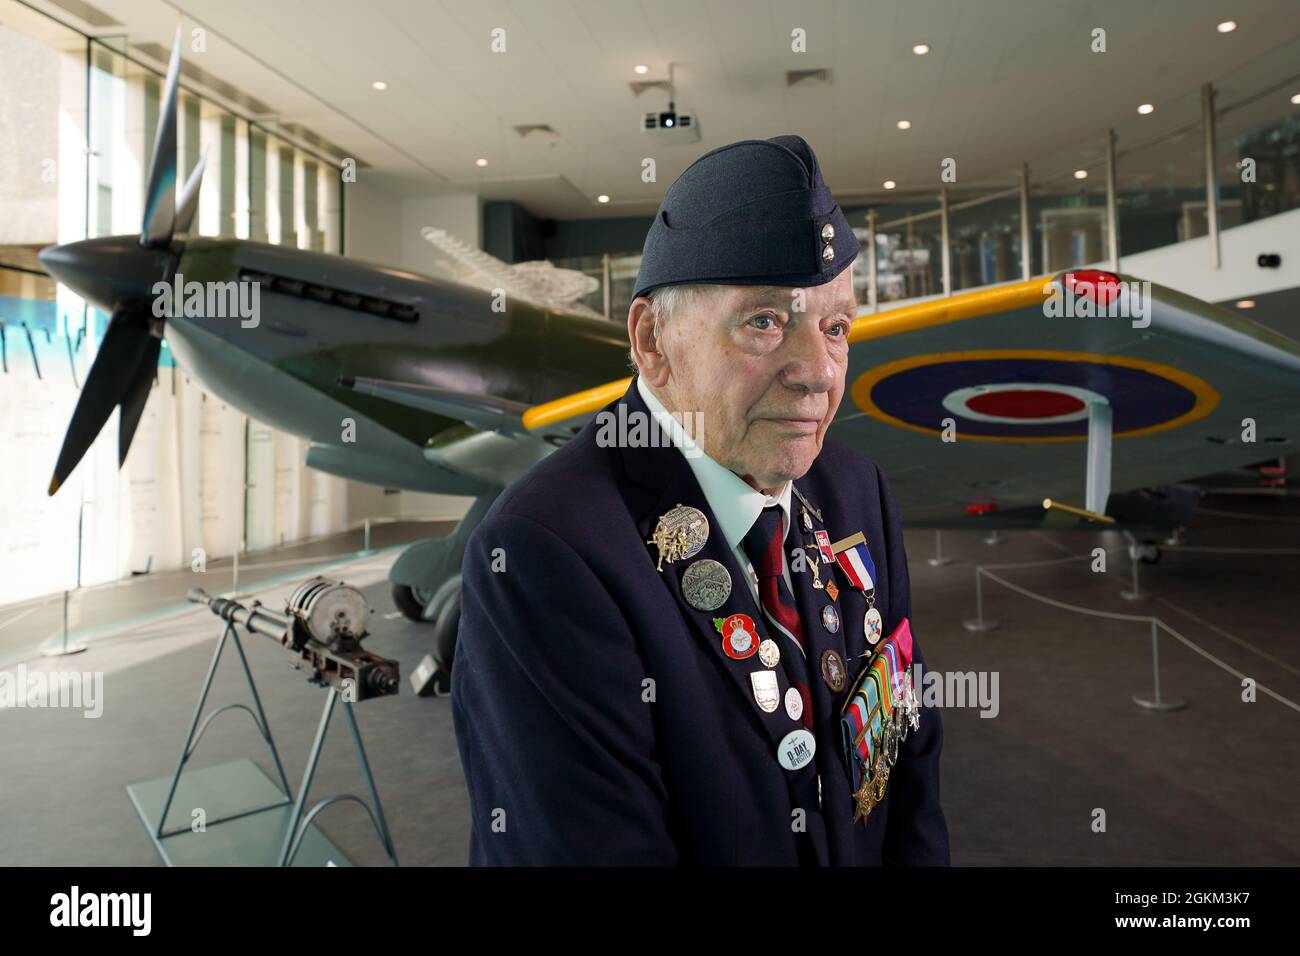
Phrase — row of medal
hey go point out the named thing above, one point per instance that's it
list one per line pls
(682, 532)
(874, 725)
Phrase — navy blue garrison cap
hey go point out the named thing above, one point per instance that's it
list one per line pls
(755, 212)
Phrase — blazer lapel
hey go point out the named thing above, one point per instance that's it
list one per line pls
(666, 467)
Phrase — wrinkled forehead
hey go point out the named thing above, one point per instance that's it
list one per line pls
(832, 297)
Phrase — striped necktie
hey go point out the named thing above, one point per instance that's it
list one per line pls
(763, 546)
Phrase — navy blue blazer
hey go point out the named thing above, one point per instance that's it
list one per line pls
(599, 720)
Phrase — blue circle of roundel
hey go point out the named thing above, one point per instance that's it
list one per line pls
(1139, 399)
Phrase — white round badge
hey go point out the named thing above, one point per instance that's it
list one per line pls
(796, 749)
(793, 703)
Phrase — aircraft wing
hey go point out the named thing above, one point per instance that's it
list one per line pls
(500, 439)
(977, 403)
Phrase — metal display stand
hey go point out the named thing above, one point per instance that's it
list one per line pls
(192, 738)
(254, 816)
(299, 825)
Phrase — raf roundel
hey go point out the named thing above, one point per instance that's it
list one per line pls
(1026, 395)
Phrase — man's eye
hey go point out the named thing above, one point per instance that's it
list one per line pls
(768, 320)
(841, 327)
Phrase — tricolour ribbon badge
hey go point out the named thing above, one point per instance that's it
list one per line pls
(854, 559)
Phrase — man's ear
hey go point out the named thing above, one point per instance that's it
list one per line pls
(652, 364)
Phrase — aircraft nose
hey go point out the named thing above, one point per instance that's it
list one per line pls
(107, 271)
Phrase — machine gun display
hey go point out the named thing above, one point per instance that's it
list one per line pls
(322, 626)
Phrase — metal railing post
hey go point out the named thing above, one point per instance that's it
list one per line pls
(1211, 173)
(606, 296)
(1112, 203)
(1026, 253)
(943, 240)
(873, 294)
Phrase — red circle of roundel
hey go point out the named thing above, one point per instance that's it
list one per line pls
(1026, 403)
(739, 637)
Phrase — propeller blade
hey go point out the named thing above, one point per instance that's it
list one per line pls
(110, 379)
(189, 201)
(160, 197)
(136, 396)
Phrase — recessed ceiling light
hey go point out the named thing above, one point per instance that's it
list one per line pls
(1227, 26)
(379, 85)
(602, 198)
(921, 49)
(480, 161)
(1296, 99)
(1245, 303)
(1080, 174)
(1146, 108)
(904, 124)
(640, 69)
(889, 184)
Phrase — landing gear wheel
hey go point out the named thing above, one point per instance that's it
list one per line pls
(446, 622)
(1151, 552)
(411, 601)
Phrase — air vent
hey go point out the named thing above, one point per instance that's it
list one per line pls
(536, 131)
(651, 86)
(807, 77)
(327, 295)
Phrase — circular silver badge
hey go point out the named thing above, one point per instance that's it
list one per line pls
(830, 618)
(769, 653)
(681, 533)
(706, 585)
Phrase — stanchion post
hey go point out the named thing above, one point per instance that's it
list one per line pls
(1157, 703)
(938, 560)
(978, 623)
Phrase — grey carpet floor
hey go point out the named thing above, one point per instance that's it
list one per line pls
(1215, 783)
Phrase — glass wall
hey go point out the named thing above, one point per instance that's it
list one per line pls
(77, 127)
(908, 256)
(1160, 174)
(1259, 157)
(984, 239)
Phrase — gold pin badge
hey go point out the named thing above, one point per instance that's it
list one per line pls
(679, 535)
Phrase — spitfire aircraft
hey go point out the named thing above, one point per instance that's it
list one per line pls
(1075, 400)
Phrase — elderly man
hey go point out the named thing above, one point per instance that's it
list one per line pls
(665, 644)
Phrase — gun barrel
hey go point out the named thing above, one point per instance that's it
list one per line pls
(257, 619)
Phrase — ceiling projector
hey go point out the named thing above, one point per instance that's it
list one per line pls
(670, 126)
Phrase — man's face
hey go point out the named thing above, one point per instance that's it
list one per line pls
(766, 378)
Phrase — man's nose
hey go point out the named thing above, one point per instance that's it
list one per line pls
(809, 364)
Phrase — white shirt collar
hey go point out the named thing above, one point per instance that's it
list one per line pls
(735, 504)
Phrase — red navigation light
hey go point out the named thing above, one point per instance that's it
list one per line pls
(981, 508)
(1101, 287)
